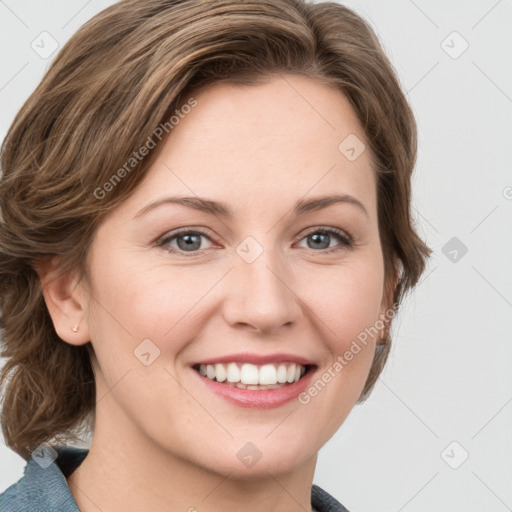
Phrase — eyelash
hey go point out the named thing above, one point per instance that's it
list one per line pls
(346, 240)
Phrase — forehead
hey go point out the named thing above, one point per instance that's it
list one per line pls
(266, 144)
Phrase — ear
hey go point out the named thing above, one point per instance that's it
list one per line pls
(66, 301)
(386, 307)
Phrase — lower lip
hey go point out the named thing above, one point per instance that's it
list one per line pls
(262, 399)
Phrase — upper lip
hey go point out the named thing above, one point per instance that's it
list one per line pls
(258, 359)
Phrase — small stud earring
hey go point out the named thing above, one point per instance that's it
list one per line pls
(75, 328)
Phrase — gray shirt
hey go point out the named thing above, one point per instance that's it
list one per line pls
(45, 489)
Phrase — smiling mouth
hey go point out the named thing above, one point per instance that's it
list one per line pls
(253, 376)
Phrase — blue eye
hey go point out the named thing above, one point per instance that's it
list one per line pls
(188, 241)
(319, 236)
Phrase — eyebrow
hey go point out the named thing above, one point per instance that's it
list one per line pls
(223, 210)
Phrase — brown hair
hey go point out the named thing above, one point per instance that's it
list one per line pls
(121, 75)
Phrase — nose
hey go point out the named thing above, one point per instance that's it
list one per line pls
(261, 294)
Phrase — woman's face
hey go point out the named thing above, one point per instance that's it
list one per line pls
(263, 288)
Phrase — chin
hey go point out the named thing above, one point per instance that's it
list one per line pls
(256, 459)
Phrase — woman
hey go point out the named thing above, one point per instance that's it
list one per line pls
(163, 192)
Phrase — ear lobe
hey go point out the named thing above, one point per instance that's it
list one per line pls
(64, 301)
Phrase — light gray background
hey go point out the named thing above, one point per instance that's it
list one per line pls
(448, 377)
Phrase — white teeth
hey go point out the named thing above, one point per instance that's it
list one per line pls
(290, 374)
(233, 373)
(220, 372)
(210, 371)
(268, 374)
(281, 374)
(251, 376)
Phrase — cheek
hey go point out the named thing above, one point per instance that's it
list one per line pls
(349, 300)
(346, 309)
(135, 302)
